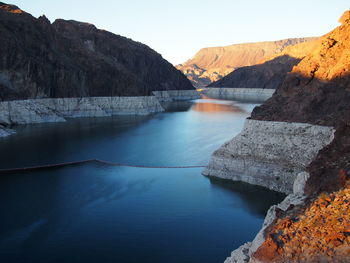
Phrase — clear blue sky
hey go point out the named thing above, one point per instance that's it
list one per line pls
(178, 29)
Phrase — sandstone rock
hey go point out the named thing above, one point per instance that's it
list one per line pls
(212, 64)
(316, 92)
(345, 18)
(268, 73)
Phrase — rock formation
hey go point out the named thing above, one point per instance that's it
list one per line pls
(312, 224)
(269, 154)
(50, 72)
(68, 59)
(268, 73)
(211, 64)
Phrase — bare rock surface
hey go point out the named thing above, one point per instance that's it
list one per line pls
(69, 59)
(213, 63)
(270, 154)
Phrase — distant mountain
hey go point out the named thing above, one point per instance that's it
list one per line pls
(270, 72)
(75, 59)
(213, 63)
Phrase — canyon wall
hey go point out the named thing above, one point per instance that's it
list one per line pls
(268, 73)
(312, 223)
(213, 63)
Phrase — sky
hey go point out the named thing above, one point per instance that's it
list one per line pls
(178, 29)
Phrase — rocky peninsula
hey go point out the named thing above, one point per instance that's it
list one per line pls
(298, 142)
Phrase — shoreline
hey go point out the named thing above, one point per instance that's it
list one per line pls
(22, 112)
(239, 94)
(274, 155)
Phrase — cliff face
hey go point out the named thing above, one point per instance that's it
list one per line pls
(317, 91)
(270, 72)
(302, 134)
(211, 64)
(74, 59)
(268, 75)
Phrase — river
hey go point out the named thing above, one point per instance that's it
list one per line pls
(100, 213)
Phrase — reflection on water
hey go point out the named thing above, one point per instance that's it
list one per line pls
(99, 213)
(176, 106)
(215, 108)
(249, 194)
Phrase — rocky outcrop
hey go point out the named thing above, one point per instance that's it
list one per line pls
(270, 154)
(239, 94)
(315, 92)
(212, 64)
(69, 59)
(317, 89)
(245, 252)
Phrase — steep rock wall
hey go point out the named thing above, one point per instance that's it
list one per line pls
(213, 63)
(270, 154)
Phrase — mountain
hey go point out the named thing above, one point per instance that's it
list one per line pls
(316, 91)
(75, 59)
(270, 72)
(211, 64)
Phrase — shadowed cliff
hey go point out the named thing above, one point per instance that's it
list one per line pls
(268, 75)
(75, 59)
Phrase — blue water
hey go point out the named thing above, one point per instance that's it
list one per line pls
(100, 213)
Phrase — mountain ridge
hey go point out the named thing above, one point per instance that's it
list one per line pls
(268, 73)
(213, 63)
(62, 59)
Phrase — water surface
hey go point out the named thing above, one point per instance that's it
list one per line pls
(100, 213)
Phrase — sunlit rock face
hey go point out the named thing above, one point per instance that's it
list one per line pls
(212, 64)
(317, 89)
(315, 92)
(270, 72)
(74, 59)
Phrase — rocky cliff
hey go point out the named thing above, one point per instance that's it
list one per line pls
(211, 64)
(270, 72)
(312, 224)
(74, 59)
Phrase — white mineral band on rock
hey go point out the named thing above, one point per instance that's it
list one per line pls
(269, 154)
